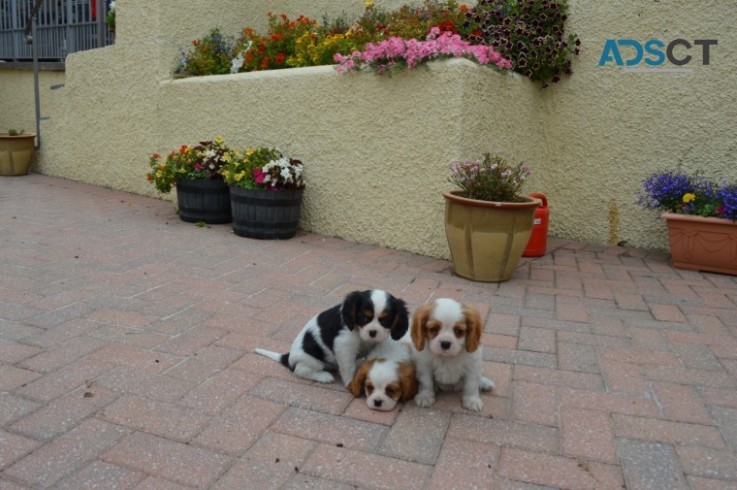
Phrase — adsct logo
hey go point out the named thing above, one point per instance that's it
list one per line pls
(655, 55)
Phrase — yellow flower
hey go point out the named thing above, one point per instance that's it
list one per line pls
(368, 3)
(239, 177)
(688, 197)
(249, 152)
(219, 140)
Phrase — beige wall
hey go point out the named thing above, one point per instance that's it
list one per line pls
(377, 148)
(17, 96)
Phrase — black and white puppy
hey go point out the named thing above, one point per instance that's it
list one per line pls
(337, 337)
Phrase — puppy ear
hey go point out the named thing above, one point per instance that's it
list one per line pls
(473, 328)
(419, 319)
(407, 381)
(356, 386)
(348, 309)
(401, 318)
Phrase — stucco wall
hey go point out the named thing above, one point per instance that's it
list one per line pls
(377, 148)
(375, 172)
(607, 129)
(17, 95)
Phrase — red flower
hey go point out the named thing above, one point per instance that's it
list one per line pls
(280, 58)
(446, 25)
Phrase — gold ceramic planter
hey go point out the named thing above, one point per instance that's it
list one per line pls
(16, 153)
(487, 239)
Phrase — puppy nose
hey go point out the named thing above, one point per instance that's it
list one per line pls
(377, 403)
(372, 333)
(445, 345)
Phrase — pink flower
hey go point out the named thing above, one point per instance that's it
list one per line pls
(259, 175)
(387, 54)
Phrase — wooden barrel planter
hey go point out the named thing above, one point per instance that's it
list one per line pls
(265, 214)
(204, 200)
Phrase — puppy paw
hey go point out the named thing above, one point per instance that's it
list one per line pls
(485, 384)
(425, 399)
(473, 403)
(324, 377)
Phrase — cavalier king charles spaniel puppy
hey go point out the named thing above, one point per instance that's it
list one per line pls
(387, 376)
(337, 337)
(448, 353)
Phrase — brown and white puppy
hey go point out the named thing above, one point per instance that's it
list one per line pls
(448, 353)
(339, 336)
(387, 376)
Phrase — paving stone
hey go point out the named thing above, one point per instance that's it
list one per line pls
(653, 429)
(271, 462)
(168, 459)
(67, 453)
(355, 468)
(555, 471)
(611, 367)
(587, 434)
(102, 475)
(311, 397)
(416, 435)
(726, 419)
(650, 465)
(64, 413)
(465, 464)
(12, 377)
(154, 417)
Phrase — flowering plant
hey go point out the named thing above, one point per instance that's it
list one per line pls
(210, 55)
(397, 52)
(263, 168)
(529, 32)
(683, 193)
(204, 161)
(490, 179)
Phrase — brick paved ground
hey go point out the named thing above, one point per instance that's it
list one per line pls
(126, 361)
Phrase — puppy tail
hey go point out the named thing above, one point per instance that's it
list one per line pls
(282, 358)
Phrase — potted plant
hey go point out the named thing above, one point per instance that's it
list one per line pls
(266, 189)
(202, 194)
(110, 18)
(17, 152)
(700, 215)
(487, 221)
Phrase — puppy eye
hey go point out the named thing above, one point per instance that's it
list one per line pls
(384, 320)
(459, 331)
(392, 391)
(368, 314)
(369, 388)
(432, 330)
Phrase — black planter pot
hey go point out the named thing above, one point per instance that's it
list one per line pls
(206, 200)
(265, 214)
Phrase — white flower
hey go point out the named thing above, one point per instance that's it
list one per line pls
(286, 175)
(236, 63)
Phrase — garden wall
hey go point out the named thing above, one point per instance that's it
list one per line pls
(377, 148)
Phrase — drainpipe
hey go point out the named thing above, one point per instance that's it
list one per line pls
(31, 26)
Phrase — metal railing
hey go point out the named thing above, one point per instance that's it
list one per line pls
(62, 27)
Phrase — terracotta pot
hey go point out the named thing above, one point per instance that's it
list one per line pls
(702, 244)
(16, 153)
(486, 239)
